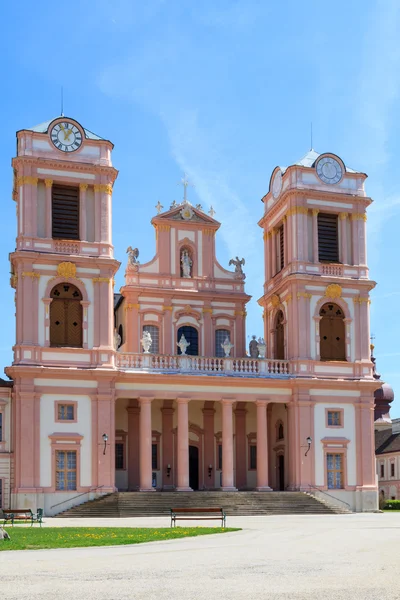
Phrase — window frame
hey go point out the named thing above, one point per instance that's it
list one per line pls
(156, 326)
(392, 470)
(58, 403)
(229, 334)
(66, 470)
(122, 444)
(66, 441)
(61, 185)
(332, 216)
(219, 455)
(336, 445)
(382, 470)
(330, 410)
(332, 452)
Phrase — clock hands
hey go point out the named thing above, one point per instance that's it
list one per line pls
(66, 131)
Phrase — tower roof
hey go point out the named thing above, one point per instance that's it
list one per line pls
(310, 157)
(44, 127)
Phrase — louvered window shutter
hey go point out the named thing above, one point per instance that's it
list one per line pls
(328, 239)
(281, 247)
(65, 212)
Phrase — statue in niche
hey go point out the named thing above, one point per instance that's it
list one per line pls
(117, 340)
(238, 267)
(253, 347)
(186, 263)
(133, 254)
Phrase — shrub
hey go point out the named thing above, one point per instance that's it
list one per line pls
(392, 505)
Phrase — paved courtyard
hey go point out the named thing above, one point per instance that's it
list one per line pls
(338, 557)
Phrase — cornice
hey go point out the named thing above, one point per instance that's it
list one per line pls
(64, 165)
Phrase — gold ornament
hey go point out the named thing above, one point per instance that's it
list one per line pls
(275, 300)
(333, 291)
(66, 270)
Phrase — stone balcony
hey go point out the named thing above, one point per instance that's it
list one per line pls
(202, 365)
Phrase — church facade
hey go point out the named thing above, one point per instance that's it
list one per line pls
(153, 387)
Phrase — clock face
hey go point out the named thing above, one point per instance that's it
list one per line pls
(66, 136)
(277, 184)
(329, 170)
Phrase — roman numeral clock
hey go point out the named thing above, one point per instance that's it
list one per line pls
(66, 136)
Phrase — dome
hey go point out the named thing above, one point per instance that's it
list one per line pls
(385, 394)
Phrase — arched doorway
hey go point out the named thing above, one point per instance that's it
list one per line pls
(192, 336)
(66, 316)
(279, 336)
(193, 467)
(332, 333)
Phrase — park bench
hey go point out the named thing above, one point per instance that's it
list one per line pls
(22, 514)
(196, 514)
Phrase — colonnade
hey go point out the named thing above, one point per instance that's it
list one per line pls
(182, 479)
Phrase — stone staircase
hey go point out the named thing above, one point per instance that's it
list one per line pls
(157, 504)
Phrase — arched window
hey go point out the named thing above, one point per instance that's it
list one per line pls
(186, 262)
(192, 336)
(154, 331)
(220, 337)
(280, 336)
(66, 316)
(332, 333)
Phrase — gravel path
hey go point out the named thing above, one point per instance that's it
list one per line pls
(346, 557)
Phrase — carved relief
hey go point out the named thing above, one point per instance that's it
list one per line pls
(333, 290)
(66, 270)
(275, 300)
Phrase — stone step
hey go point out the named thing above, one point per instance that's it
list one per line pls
(142, 504)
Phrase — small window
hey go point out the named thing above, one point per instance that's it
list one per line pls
(253, 456)
(66, 412)
(65, 470)
(154, 332)
(65, 212)
(280, 432)
(392, 470)
(119, 456)
(1, 427)
(154, 457)
(382, 471)
(334, 418)
(219, 456)
(220, 337)
(335, 471)
(328, 239)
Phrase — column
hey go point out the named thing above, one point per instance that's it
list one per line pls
(343, 238)
(241, 445)
(273, 242)
(363, 238)
(269, 254)
(133, 445)
(355, 239)
(183, 445)
(315, 212)
(262, 447)
(106, 424)
(209, 444)
(266, 258)
(227, 446)
(209, 340)
(292, 439)
(145, 437)
(167, 331)
(49, 184)
(167, 413)
(82, 211)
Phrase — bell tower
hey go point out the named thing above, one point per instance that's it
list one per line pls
(316, 291)
(63, 265)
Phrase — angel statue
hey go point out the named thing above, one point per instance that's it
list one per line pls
(133, 254)
(238, 267)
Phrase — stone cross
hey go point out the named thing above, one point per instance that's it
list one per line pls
(185, 182)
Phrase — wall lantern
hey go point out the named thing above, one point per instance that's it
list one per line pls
(309, 442)
(210, 470)
(168, 470)
(105, 440)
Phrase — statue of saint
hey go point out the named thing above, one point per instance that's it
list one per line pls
(186, 263)
(253, 347)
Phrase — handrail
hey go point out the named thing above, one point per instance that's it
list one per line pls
(314, 487)
(77, 496)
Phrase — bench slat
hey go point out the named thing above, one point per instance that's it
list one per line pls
(197, 510)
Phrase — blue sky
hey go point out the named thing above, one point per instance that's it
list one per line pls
(224, 90)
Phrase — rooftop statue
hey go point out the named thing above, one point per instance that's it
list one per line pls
(133, 254)
(253, 347)
(238, 267)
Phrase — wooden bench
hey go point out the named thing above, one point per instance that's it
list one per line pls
(22, 514)
(197, 514)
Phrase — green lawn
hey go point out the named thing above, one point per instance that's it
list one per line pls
(27, 538)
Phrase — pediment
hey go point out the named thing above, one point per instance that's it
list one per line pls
(186, 213)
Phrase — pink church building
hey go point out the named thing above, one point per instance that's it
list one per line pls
(153, 387)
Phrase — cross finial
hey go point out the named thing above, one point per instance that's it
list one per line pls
(211, 212)
(159, 207)
(372, 337)
(185, 182)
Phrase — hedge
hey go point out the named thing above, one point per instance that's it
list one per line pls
(392, 505)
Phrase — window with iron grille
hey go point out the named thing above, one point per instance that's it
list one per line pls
(154, 332)
(253, 456)
(220, 337)
(334, 419)
(335, 471)
(65, 212)
(192, 336)
(328, 238)
(119, 456)
(66, 412)
(154, 457)
(65, 470)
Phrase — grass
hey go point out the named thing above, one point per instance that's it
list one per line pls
(27, 538)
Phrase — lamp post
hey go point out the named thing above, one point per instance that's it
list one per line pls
(105, 440)
(309, 442)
